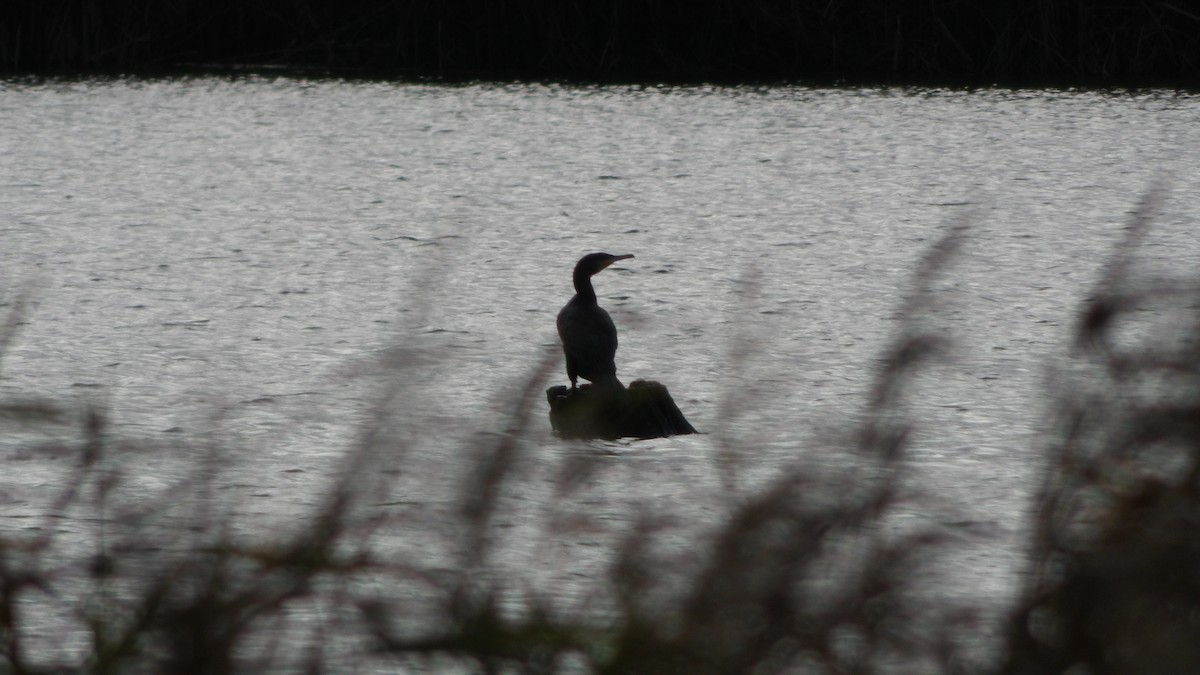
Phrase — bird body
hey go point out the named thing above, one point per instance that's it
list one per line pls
(588, 334)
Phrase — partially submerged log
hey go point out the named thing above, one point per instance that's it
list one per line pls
(644, 410)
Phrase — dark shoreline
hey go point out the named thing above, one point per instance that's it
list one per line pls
(1025, 43)
(249, 71)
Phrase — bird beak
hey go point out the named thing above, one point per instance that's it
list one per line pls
(615, 258)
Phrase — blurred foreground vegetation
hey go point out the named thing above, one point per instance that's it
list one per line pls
(1126, 42)
(810, 573)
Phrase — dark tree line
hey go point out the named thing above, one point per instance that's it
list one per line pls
(969, 41)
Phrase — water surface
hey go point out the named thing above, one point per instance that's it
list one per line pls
(237, 260)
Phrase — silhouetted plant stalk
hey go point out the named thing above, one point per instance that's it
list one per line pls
(807, 573)
(729, 434)
(793, 573)
(1115, 579)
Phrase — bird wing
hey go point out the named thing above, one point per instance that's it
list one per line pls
(589, 337)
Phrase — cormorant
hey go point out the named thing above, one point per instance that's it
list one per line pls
(588, 335)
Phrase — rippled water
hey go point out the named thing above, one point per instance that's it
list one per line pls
(231, 260)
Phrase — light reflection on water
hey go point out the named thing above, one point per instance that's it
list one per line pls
(229, 260)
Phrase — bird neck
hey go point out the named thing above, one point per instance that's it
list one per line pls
(583, 286)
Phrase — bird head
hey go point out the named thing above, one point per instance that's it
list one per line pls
(594, 262)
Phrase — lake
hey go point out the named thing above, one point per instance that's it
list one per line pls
(266, 270)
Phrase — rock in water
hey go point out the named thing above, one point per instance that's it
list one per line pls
(644, 410)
